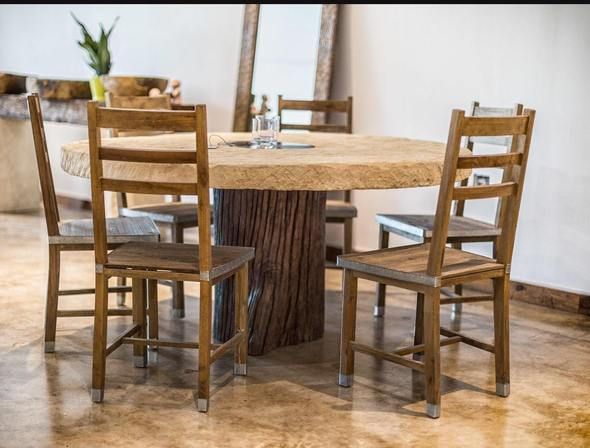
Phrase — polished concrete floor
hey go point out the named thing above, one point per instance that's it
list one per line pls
(290, 397)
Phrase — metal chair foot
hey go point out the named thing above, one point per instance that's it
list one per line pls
(49, 346)
(177, 313)
(240, 369)
(345, 380)
(120, 299)
(202, 404)
(378, 311)
(140, 361)
(433, 410)
(456, 308)
(502, 389)
(97, 395)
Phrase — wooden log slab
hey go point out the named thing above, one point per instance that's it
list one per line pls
(59, 89)
(132, 85)
(12, 83)
(287, 229)
(15, 107)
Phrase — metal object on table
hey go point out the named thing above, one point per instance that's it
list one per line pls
(280, 145)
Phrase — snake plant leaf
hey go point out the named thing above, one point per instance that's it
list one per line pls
(112, 27)
(97, 50)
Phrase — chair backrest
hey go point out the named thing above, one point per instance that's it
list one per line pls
(149, 120)
(44, 166)
(325, 106)
(158, 102)
(514, 163)
(322, 106)
(504, 141)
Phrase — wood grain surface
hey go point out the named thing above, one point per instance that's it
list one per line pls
(337, 162)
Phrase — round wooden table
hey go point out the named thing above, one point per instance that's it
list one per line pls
(274, 200)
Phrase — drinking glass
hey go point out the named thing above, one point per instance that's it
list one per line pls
(265, 131)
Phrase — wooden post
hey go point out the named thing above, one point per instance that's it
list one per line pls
(286, 304)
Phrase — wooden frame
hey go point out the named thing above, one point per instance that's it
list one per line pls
(470, 234)
(135, 262)
(423, 272)
(324, 67)
(317, 106)
(175, 218)
(80, 240)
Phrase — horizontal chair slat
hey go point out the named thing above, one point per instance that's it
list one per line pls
(160, 343)
(90, 312)
(489, 161)
(392, 357)
(468, 340)
(496, 141)
(182, 106)
(133, 186)
(316, 106)
(481, 111)
(146, 155)
(485, 191)
(467, 299)
(313, 127)
(493, 126)
(231, 343)
(119, 341)
(146, 120)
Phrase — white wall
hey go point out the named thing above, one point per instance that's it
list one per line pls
(408, 66)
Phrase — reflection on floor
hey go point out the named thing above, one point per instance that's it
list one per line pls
(290, 397)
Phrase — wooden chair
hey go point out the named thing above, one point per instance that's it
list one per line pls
(426, 268)
(75, 235)
(175, 215)
(162, 261)
(462, 229)
(339, 212)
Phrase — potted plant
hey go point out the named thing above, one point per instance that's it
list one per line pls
(99, 56)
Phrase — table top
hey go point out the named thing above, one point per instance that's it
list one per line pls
(337, 162)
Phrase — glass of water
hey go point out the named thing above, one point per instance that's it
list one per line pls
(265, 131)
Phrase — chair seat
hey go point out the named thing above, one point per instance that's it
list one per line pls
(340, 209)
(166, 212)
(408, 264)
(119, 230)
(179, 258)
(419, 227)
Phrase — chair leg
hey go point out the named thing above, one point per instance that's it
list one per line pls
(347, 243)
(501, 335)
(153, 327)
(139, 318)
(204, 346)
(177, 233)
(456, 308)
(121, 281)
(241, 320)
(347, 333)
(99, 355)
(432, 351)
(379, 310)
(419, 325)
(52, 299)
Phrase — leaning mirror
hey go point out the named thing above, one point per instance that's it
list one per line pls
(288, 50)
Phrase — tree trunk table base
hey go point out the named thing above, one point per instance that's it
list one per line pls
(287, 228)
